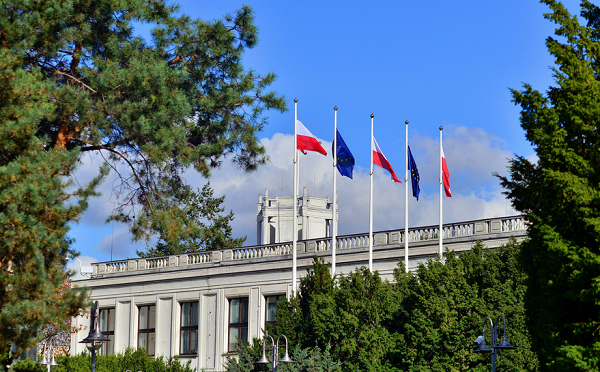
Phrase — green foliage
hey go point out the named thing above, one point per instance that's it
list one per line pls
(74, 80)
(425, 321)
(444, 306)
(351, 315)
(191, 233)
(133, 360)
(181, 99)
(560, 194)
(305, 359)
(37, 203)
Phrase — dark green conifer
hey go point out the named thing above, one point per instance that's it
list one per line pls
(200, 226)
(560, 194)
(35, 210)
(75, 79)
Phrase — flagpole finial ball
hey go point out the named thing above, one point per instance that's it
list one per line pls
(335, 108)
(372, 116)
(406, 122)
(295, 100)
(441, 128)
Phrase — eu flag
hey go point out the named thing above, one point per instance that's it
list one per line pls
(414, 174)
(345, 160)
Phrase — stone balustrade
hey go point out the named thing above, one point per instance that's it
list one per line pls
(343, 242)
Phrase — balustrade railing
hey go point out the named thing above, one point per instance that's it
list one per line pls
(153, 263)
(116, 266)
(343, 242)
(198, 258)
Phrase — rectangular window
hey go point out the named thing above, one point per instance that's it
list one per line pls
(271, 308)
(189, 328)
(238, 321)
(107, 327)
(146, 328)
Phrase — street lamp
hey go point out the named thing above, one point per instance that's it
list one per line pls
(50, 353)
(275, 346)
(481, 346)
(95, 337)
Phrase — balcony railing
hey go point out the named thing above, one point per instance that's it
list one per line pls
(343, 242)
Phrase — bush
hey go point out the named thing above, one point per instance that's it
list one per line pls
(305, 359)
(134, 360)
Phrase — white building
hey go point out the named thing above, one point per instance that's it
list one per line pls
(195, 306)
(275, 218)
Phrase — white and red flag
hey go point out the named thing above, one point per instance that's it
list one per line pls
(445, 175)
(306, 141)
(381, 160)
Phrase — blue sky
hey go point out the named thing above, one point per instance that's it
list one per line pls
(430, 62)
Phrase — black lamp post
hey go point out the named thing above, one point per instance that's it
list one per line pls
(481, 346)
(275, 346)
(95, 337)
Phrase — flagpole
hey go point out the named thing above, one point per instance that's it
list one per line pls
(441, 231)
(371, 204)
(406, 201)
(334, 228)
(295, 200)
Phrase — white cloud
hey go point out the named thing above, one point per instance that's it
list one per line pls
(472, 155)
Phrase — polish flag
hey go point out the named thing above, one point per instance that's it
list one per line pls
(380, 159)
(306, 141)
(445, 175)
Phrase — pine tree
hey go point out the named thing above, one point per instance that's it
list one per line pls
(35, 210)
(560, 194)
(177, 101)
(200, 226)
(73, 80)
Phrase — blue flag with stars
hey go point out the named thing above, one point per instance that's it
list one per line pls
(345, 160)
(414, 174)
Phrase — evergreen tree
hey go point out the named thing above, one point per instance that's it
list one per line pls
(445, 304)
(425, 321)
(560, 194)
(179, 100)
(74, 79)
(305, 359)
(191, 233)
(35, 210)
(349, 315)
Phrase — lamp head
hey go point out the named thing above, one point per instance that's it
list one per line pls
(286, 358)
(481, 346)
(263, 360)
(44, 361)
(505, 345)
(95, 336)
(53, 362)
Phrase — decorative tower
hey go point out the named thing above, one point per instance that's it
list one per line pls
(275, 218)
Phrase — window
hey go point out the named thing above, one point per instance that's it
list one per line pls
(238, 321)
(189, 328)
(146, 328)
(107, 327)
(271, 308)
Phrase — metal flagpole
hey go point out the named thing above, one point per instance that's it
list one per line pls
(371, 204)
(334, 228)
(441, 231)
(295, 199)
(406, 201)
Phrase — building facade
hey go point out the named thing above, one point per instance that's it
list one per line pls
(196, 306)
